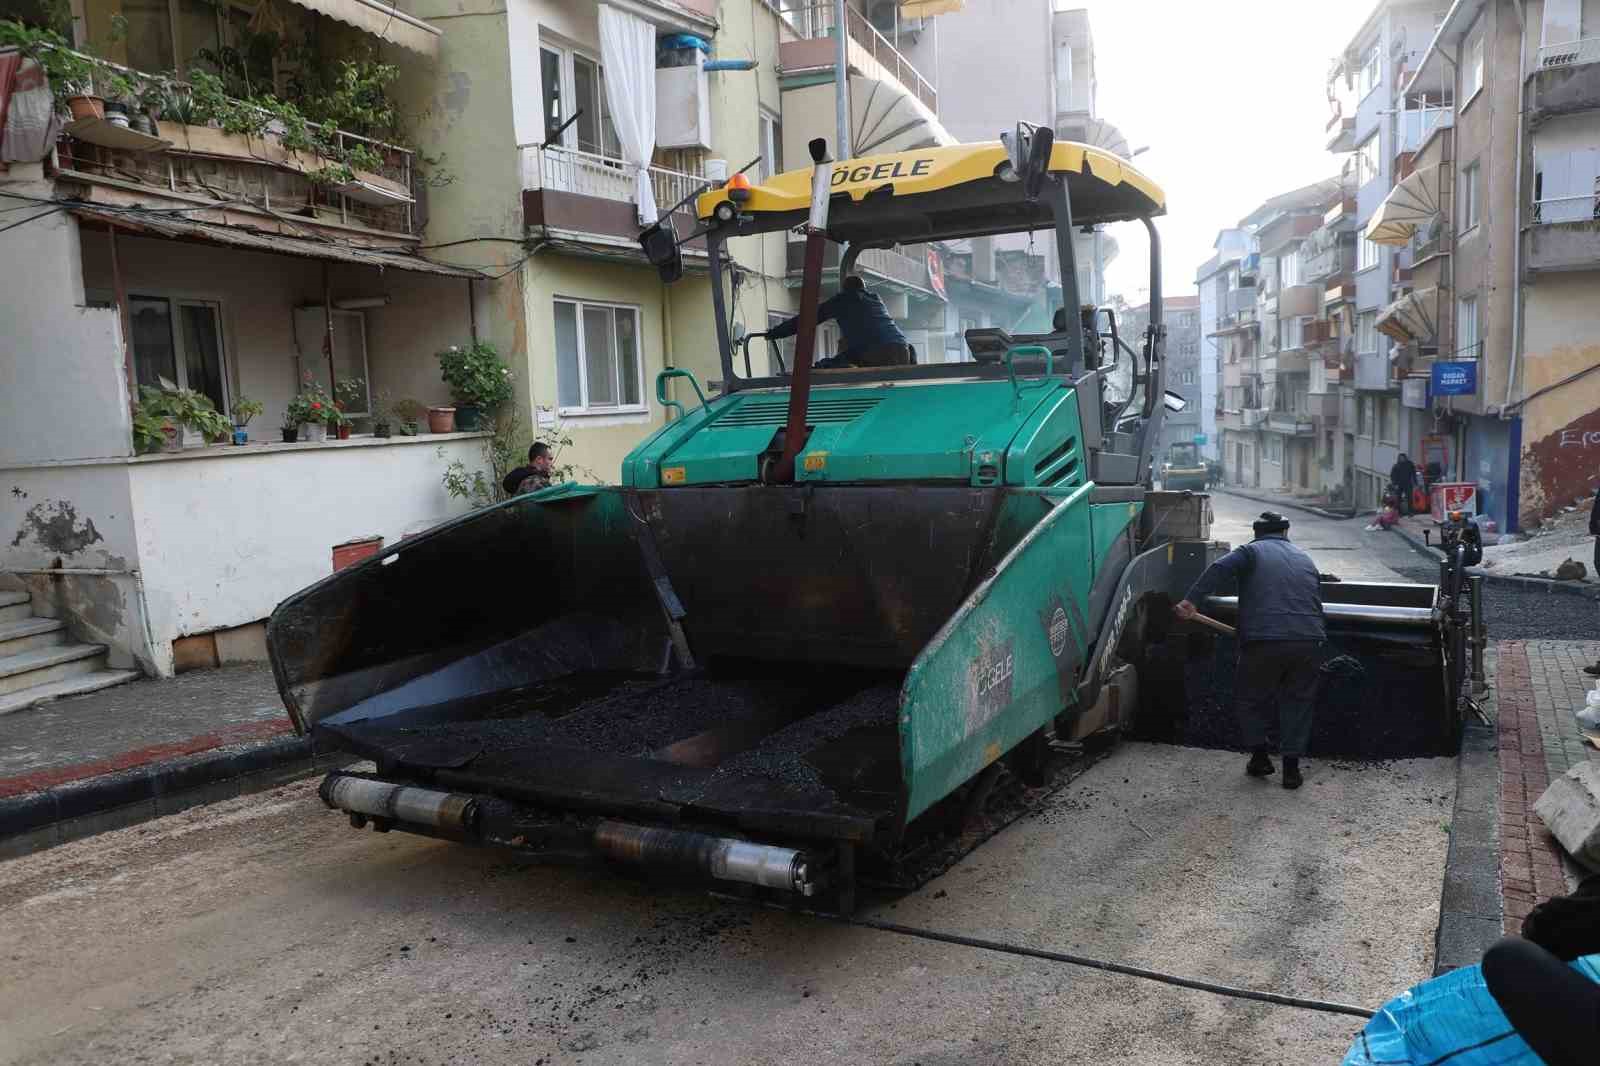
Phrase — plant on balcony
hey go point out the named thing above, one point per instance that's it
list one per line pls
(382, 414)
(479, 380)
(408, 413)
(244, 409)
(161, 413)
(71, 74)
(309, 409)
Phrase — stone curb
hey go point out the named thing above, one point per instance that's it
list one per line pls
(1338, 516)
(1470, 911)
(1542, 584)
(35, 821)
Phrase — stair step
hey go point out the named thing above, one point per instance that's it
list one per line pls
(31, 633)
(72, 686)
(12, 597)
(44, 665)
(16, 610)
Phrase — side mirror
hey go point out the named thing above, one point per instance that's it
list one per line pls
(1028, 156)
(1173, 402)
(660, 246)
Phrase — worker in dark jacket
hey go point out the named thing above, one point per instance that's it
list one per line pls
(1281, 634)
(870, 336)
(1403, 475)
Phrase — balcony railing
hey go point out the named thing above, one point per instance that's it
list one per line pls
(1570, 54)
(1417, 125)
(558, 169)
(1584, 208)
(817, 20)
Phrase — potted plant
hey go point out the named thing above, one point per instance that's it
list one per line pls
(382, 415)
(164, 412)
(290, 428)
(441, 420)
(338, 421)
(309, 409)
(479, 381)
(244, 409)
(409, 414)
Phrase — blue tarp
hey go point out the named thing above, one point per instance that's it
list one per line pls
(1449, 1021)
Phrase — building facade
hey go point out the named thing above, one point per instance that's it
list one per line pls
(1181, 315)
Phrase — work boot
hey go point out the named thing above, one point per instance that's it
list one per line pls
(1291, 772)
(1259, 765)
(1593, 671)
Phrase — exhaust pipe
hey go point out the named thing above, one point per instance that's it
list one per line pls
(723, 858)
(365, 798)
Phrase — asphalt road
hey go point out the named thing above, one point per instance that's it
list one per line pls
(264, 929)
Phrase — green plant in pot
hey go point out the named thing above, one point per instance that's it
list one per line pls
(479, 380)
(309, 409)
(244, 409)
(162, 413)
(408, 413)
(383, 417)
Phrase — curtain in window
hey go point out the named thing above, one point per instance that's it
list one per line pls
(628, 51)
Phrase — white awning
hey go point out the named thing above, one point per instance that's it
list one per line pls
(1413, 317)
(382, 21)
(886, 118)
(1409, 205)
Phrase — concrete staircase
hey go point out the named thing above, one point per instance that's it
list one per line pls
(39, 660)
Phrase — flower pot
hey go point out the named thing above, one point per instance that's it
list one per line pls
(409, 429)
(140, 122)
(313, 433)
(441, 420)
(291, 434)
(171, 438)
(86, 107)
(380, 429)
(241, 436)
(344, 431)
(117, 114)
(469, 416)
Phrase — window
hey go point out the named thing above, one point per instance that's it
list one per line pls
(1371, 69)
(1366, 160)
(1467, 327)
(169, 36)
(1389, 420)
(1468, 197)
(181, 341)
(1367, 332)
(349, 354)
(1472, 67)
(771, 146)
(1367, 254)
(1364, 416)
(1289, 270)
(599, 367)
(1274, 448)
(575, 84)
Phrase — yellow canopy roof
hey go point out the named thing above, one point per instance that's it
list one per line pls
(929, 8)
(929, 170)
(1410, 204)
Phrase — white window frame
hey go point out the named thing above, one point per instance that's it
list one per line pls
(1472, 65)
(1367, 333)
(1367, 254)
(770, 131)
(106, 298)
(1273, 453)
(1469, 197)
(584, 408)
(1387, 407)
(310, 357)
(568, 54)
(1371, 73)
(1467, 327)
(1368, 164)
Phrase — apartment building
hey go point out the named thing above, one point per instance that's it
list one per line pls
(1181, 315)
(1375, 129)
(1214, 284)
(1515, 230)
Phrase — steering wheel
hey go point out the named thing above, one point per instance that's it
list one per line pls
(773, 353)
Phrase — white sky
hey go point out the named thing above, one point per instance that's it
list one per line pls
(1230, 96)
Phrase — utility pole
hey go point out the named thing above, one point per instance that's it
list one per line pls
(841, 82)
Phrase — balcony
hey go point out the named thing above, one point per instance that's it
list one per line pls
(1565, 230)
(1342, 215)
(1233, 420)
(1249, 268)
(1252, 417)
(1340, 289)
(571, 191)
(870, 52)
(1341, 131)
(1373, 373)
(1566, 80)
(325, 179)
(1416, 126)
(1554, 246)
(1323, 405)
(882, 264)
(1291, 423)
(1296, 301)
(1293, 361)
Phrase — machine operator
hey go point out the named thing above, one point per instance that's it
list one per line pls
(870, 336)
(1281, 634)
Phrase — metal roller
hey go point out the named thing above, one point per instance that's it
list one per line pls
(400, 803)
(724, 858)
(1410, 617)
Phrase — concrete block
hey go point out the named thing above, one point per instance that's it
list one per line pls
(1570, 809)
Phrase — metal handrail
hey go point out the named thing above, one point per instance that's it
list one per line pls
(817, 21)
(1593, 200)
(558, 168)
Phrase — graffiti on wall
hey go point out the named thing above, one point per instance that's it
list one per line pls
(1560, 467)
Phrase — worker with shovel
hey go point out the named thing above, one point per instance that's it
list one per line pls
(1281, 634)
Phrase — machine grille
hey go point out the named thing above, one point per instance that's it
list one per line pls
(774, 411)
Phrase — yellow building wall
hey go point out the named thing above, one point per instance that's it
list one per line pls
(1560, 429)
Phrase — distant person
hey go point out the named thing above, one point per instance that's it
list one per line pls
(1403, 476)
(1281, 634)
(870, 336)
(534, 476)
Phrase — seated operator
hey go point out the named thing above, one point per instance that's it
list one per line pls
(870, 336)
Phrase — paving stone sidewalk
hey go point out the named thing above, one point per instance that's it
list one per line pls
(1539, 683)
